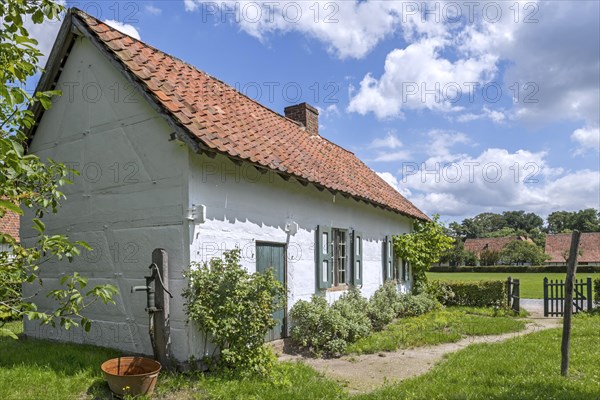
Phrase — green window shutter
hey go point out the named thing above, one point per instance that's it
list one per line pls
(324, 257)
(357, 258)
(388, 258)
(404, 271)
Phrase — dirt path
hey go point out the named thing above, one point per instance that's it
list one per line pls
(367, 372)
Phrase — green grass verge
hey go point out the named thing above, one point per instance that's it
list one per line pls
(526, 368)
(441, 326)
(36, 369)
(532, 284)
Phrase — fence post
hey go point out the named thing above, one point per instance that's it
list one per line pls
(545, 297)
(589, 294)
(509, 291)
(516, 296)
(568, 311)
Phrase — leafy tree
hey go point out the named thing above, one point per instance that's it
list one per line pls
(559, 221)
(522, 252)
(456, 255)
(423, 247)
(587, 220)
(489, 257)
(27, 182)
(470, 258)
(481, 224)
(520, 220)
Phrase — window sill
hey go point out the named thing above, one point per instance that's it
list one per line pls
(338, 288)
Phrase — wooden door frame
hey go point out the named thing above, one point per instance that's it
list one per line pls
(285, 278)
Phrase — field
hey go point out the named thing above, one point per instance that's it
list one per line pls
(532, 284)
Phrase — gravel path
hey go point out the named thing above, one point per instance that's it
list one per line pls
(367, 372)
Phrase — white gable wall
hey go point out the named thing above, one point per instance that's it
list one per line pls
(127, 201)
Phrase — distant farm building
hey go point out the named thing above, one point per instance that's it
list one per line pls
(557, 247)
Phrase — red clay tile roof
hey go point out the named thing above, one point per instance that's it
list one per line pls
(491, 244)
(10, 224)
(225, 121)
(589, 245)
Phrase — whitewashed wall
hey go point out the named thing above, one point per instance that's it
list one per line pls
(132, 197)
(244, 206)
(127, 201)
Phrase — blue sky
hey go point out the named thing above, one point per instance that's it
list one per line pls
(412, 87)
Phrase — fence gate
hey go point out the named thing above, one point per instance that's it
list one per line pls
(513, 288)
(554, 296)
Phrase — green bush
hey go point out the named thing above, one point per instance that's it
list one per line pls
(325, 329)
(414, 305)
(439, 291)
(478, 293)
(235, 310)
(383, 305)
(318, 327)
(597, 292)
(352, 306)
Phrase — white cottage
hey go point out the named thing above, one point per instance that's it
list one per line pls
(173, 158)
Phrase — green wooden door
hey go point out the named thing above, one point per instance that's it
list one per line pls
(272, 255)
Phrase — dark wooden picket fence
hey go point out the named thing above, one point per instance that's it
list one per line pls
(554, 296)
(513, 287)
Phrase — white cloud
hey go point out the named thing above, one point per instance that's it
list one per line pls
(402, 155)
(391, 141)
(495, 116)
(441, 143)
(349, 29)
(124, 28)
(387, 149)
(419, 77)
(331, 110)
(153, 9)
(553, 67)
(191, 5)
(391, 180)
(494, 180)
(587, 138)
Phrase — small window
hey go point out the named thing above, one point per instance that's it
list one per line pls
(340, 257)
(397, 269)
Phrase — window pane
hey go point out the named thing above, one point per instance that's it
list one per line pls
(357, 270)
(357, 245)
(325, 270)
(324, 244)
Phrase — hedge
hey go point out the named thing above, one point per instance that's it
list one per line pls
(477, 293)
(597, 292)
(515, 269)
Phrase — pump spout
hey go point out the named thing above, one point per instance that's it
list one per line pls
(140, 289)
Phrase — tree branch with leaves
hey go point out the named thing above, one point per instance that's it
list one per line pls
(28, 182)
(423, 247)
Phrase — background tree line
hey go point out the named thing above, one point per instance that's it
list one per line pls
(513, 224)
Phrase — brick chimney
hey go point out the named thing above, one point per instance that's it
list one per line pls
(306, 114)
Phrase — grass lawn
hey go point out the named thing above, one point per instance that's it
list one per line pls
(441, 326)
(532, 284)
(35, 369)
(524, 368)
